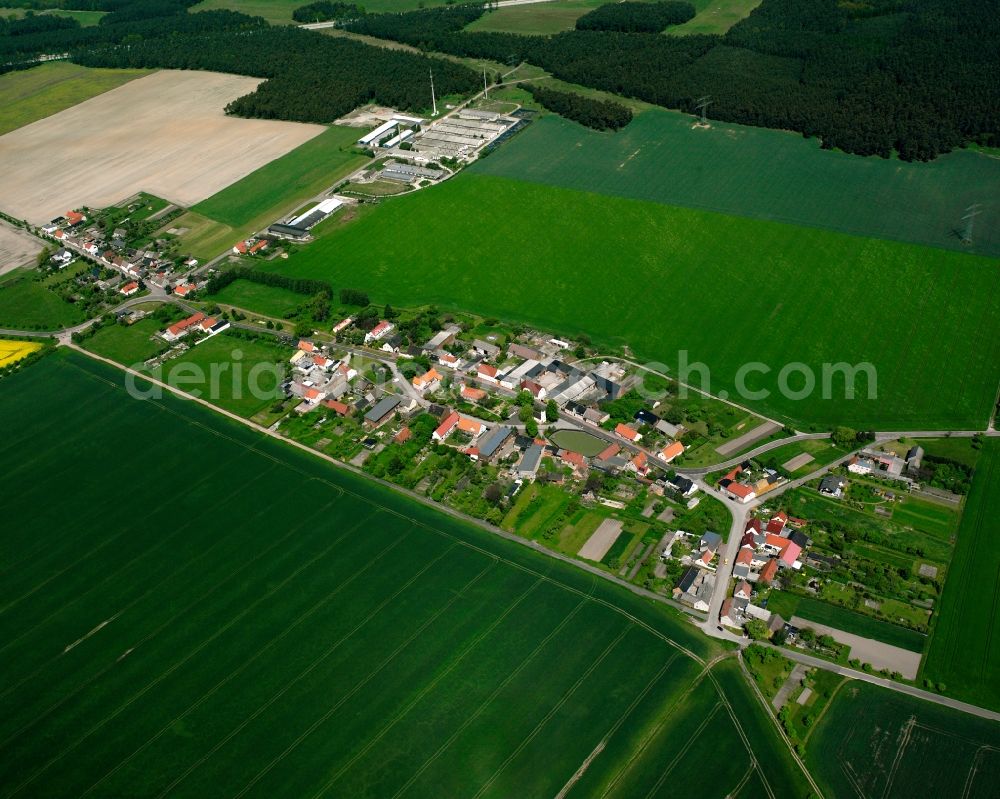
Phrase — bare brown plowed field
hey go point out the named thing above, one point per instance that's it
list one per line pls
(166, 134)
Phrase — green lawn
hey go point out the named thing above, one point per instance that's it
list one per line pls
(672, 283)
(874, 742)
(247, 617)
(32, 94)
(270, 301)
(25, 304)
(760, 173)
(202, 237)
(128, 344)
(579, 441)
(788, 605)
(964, 651)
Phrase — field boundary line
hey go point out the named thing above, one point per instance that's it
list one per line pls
(614, 728)
(426, 689)
(302, 617)
(553, 710)
(224, 628)
(486, 702)
(368, 678)
(126, 608)
(774, 721)
(308, 670)
(684, 750)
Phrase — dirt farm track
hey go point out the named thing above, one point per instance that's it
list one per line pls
(165, 134)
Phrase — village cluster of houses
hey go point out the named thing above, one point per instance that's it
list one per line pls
(745, 482)
(134, 267)
(768, 546)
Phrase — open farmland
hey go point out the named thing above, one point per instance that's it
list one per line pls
(13, 351)
(17, 248)
(31, 94)
(760, 173)
(964, 648)
(166, 134)
(664, 279)
(251, 620)
(535, 19)
(273, 190)
(876, 743)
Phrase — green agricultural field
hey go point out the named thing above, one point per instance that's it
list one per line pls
(964, 650)
(760, 173)
(202, 237)
(250, 619)
(788, 605)
(27, 305)
(874, 742)
(281, 186)
(537, 19)
(272, 301)
(32, 94)
(672, 282)
(715, 16)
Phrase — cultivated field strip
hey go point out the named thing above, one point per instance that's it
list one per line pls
(246, 621)
(816, 297)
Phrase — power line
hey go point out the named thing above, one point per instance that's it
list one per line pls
(702, 105)
(971, 213)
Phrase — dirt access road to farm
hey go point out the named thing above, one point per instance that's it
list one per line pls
(166, 134)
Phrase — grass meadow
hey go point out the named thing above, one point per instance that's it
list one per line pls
(760, 173)
(874, 742)
(248, 620)
(32, 94)
(964, 647)
(728, 290)
(28, 305)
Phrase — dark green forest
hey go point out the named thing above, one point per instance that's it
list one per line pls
(915, 77)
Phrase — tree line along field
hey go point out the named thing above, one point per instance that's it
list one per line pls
(247, 619)
(761, 173)
(546, 18)
(32, 94)
(279, 12)
(873, 742)
(964, 647)
(661, 279)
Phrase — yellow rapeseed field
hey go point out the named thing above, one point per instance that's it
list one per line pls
(11, 351)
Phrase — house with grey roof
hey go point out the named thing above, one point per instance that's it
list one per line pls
(381, 411)
(528, 467)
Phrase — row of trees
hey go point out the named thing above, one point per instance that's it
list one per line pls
(325, 10)
(597, 114)
(299, 285)
(633, 17)
(918, 77)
